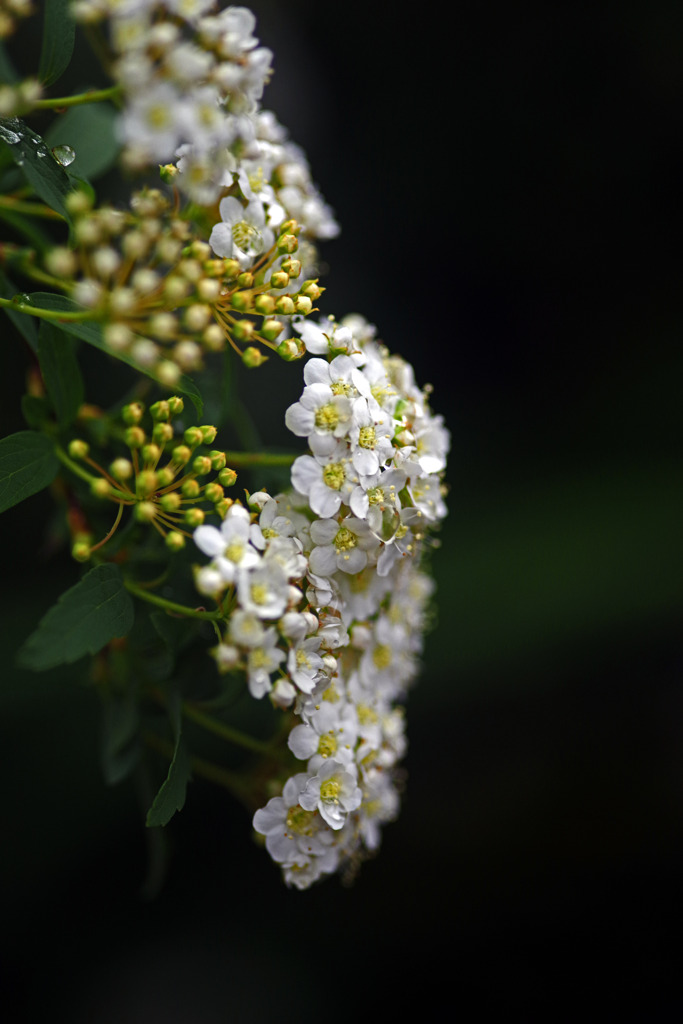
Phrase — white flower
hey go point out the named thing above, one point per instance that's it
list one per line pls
(241, 233)
(326, 480)
(341, 546)
(334, 792)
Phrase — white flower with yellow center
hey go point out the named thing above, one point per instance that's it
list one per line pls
(242, 233)
(229, 546)
(370, 437)
(340, 546)
(330, 732)
(293, 835)
(326, 480)
(263, 590)
(334, 792)
(261, 662)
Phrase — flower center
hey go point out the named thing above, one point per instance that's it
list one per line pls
(334, 475)
(381, 656)
(340, 387)
(300, 821)
(247, 238)
(259, 593)
(327, 417)
(345, 540)
(234, 551)
(327, 745)
(329, 791)
(366, 437)
(375, 495)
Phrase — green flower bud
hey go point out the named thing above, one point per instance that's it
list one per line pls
(291, 267)
(221, 507)
(252, 357)
(241, 300)
(121, 469)
(289, 350)
(285, 305)
(145, 511)
(132, 414)
(231, 269)
(151, 452)
(287, 243)
(162, 433)
(181, 455)
(271, 329)
(146, 483)
(191, 489)
(100, 488)
(311, 289)
(165, 477)
(194, 517)
(160, 411)
(217, 460)
(214, 492)
(208, 433)
(175, 540)
(170, 502)
(303, 304)
(79, 449)
(246, 279)
(264, 304)
(227, 477)
(81, 551)
(279, 279)
(175, 405)
(193, 436)
(243, 330)
(135, 437)
(201, 465)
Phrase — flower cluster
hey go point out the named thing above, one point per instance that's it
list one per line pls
(329, 602)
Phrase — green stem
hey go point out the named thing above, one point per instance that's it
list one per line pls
(84, 475)
(33, 209)
(171, 606)
(91, 96)
(226, 732)
(258, 459)
(46, 314)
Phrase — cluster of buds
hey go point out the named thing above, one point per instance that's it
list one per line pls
(165, 478)
(12, 11)
(164, 300)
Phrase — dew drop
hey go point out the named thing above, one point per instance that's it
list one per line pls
(9, 136)
(22, 299)
(64, 155)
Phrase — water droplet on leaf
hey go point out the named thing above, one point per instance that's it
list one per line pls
(64, 155)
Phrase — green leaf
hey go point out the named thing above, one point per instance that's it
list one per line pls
(92, 333)
(27, 464)
(84, 619)
(23, 323)
(48, 179)
(121, 746)
(36, 411)
(171, 796)
(59, 30)
(90, 131)
(61, 373)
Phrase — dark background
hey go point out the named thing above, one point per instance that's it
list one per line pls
(506, 182)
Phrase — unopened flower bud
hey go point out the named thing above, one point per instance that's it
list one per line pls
(303, 304)
(170, 502)
(135, 437)
(182, 454)
(241, 300)
(287, 243)
(193, 436)
(227, 477)
(162, 433)
(201, 465)
(100, 488)
(208, 433)
(121, 469)
(291, 267)
(146, 483)
(165, 476)
(245, 279)
(252, 357)
(213, 338)
(271, 328)
(197, 316)
(175, 540)
(285, 305)
(191, 489)
(81, 551)
(79, 449)
(214, 492)
(132, 414)
(209, 289)
(264, 304)
(279, 279)
(231, 269)
(289, 350)
(194, 517)
(217, 460)
(311, 289)
(243, 330)
(145, 511)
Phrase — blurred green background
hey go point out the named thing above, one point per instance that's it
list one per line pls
(506, 182)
